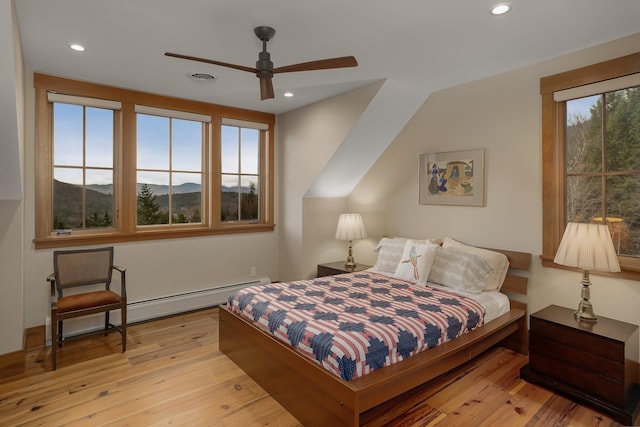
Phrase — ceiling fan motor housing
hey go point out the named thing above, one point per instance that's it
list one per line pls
(264, 65)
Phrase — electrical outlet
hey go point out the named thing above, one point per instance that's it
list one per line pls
(252, 271)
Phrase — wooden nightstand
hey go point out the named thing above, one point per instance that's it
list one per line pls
(593, 363)
(331, 268)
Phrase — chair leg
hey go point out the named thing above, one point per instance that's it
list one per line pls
(106, 323)
(54, 342)
(123, 327)
(59, 337)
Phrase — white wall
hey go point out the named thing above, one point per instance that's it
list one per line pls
(11, 206)
(10, 103)
(501, 114)
(307, 138)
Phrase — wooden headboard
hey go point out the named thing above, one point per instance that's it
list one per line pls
(519, 262)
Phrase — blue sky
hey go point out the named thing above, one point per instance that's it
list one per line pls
(581, 106)
(153, 145)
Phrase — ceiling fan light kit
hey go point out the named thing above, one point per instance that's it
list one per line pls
(264, 66)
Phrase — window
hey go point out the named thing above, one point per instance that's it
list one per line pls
(591, 155)
(169, 166)
(240, 172)
(117, 165)
(602, 164)
(82, 166)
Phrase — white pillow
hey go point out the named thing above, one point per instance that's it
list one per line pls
(416, 262)
(458, 269)
(389, 254)
(390, 251)
(497, 261)
(432, 240)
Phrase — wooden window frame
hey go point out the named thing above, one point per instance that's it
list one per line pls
(553, 183)
(125, 223)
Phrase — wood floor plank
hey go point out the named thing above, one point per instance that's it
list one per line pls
(173, 373)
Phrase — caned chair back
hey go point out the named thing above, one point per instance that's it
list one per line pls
(83, 267)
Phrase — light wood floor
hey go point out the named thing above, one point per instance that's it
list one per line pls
(174, 374)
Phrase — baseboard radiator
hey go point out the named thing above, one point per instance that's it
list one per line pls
(153, 308)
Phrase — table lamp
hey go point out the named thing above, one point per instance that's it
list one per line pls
(350, 227)
(589, 247)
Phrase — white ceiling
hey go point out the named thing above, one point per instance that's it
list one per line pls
(424, 43)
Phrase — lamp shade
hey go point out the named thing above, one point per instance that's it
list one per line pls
(350, 227)
(587, 246)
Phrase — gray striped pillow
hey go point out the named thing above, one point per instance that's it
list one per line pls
(460, 270)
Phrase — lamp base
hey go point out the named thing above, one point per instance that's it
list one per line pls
(350, 263)
(585, 313)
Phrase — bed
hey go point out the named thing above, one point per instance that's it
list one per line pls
(317, 396)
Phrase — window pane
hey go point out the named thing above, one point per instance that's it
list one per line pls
(99, 198)
(623, 130)
(152, 142)
(83, 197)
(99, 142)
(584, 198)
(584, 135)
(623, 213)
(250, 154)
(230, 149)
(186, 202)
(67, 134)
(229, 198)
(186, 145)
(67, 198)
(153, 198)
(249, 207)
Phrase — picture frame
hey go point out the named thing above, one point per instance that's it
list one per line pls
(452, 178)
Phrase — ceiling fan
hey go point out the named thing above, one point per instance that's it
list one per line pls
(264, 67)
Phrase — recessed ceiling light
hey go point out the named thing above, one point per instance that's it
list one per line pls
(288, 94)
(500, 8)
(77, 47)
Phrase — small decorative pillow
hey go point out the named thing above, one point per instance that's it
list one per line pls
(497, 261)
(458, 269)
(416, 262)
(389, 254)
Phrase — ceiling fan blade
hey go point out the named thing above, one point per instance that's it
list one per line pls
(321, 64)
(266, 89)
(211, 61)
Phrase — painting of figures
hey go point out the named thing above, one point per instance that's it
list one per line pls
(452, 178)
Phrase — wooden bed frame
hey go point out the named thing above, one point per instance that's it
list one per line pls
(317, 397)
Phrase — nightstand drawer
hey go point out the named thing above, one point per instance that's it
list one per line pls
(587, 360)
(572, 373)
(581, 340)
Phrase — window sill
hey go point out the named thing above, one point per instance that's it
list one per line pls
(110, 238)
(628, 272)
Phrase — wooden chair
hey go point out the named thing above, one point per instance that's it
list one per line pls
(85, 268)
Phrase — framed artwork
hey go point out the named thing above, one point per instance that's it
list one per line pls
(452, 178)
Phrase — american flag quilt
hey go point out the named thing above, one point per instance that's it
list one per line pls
(355, 323)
